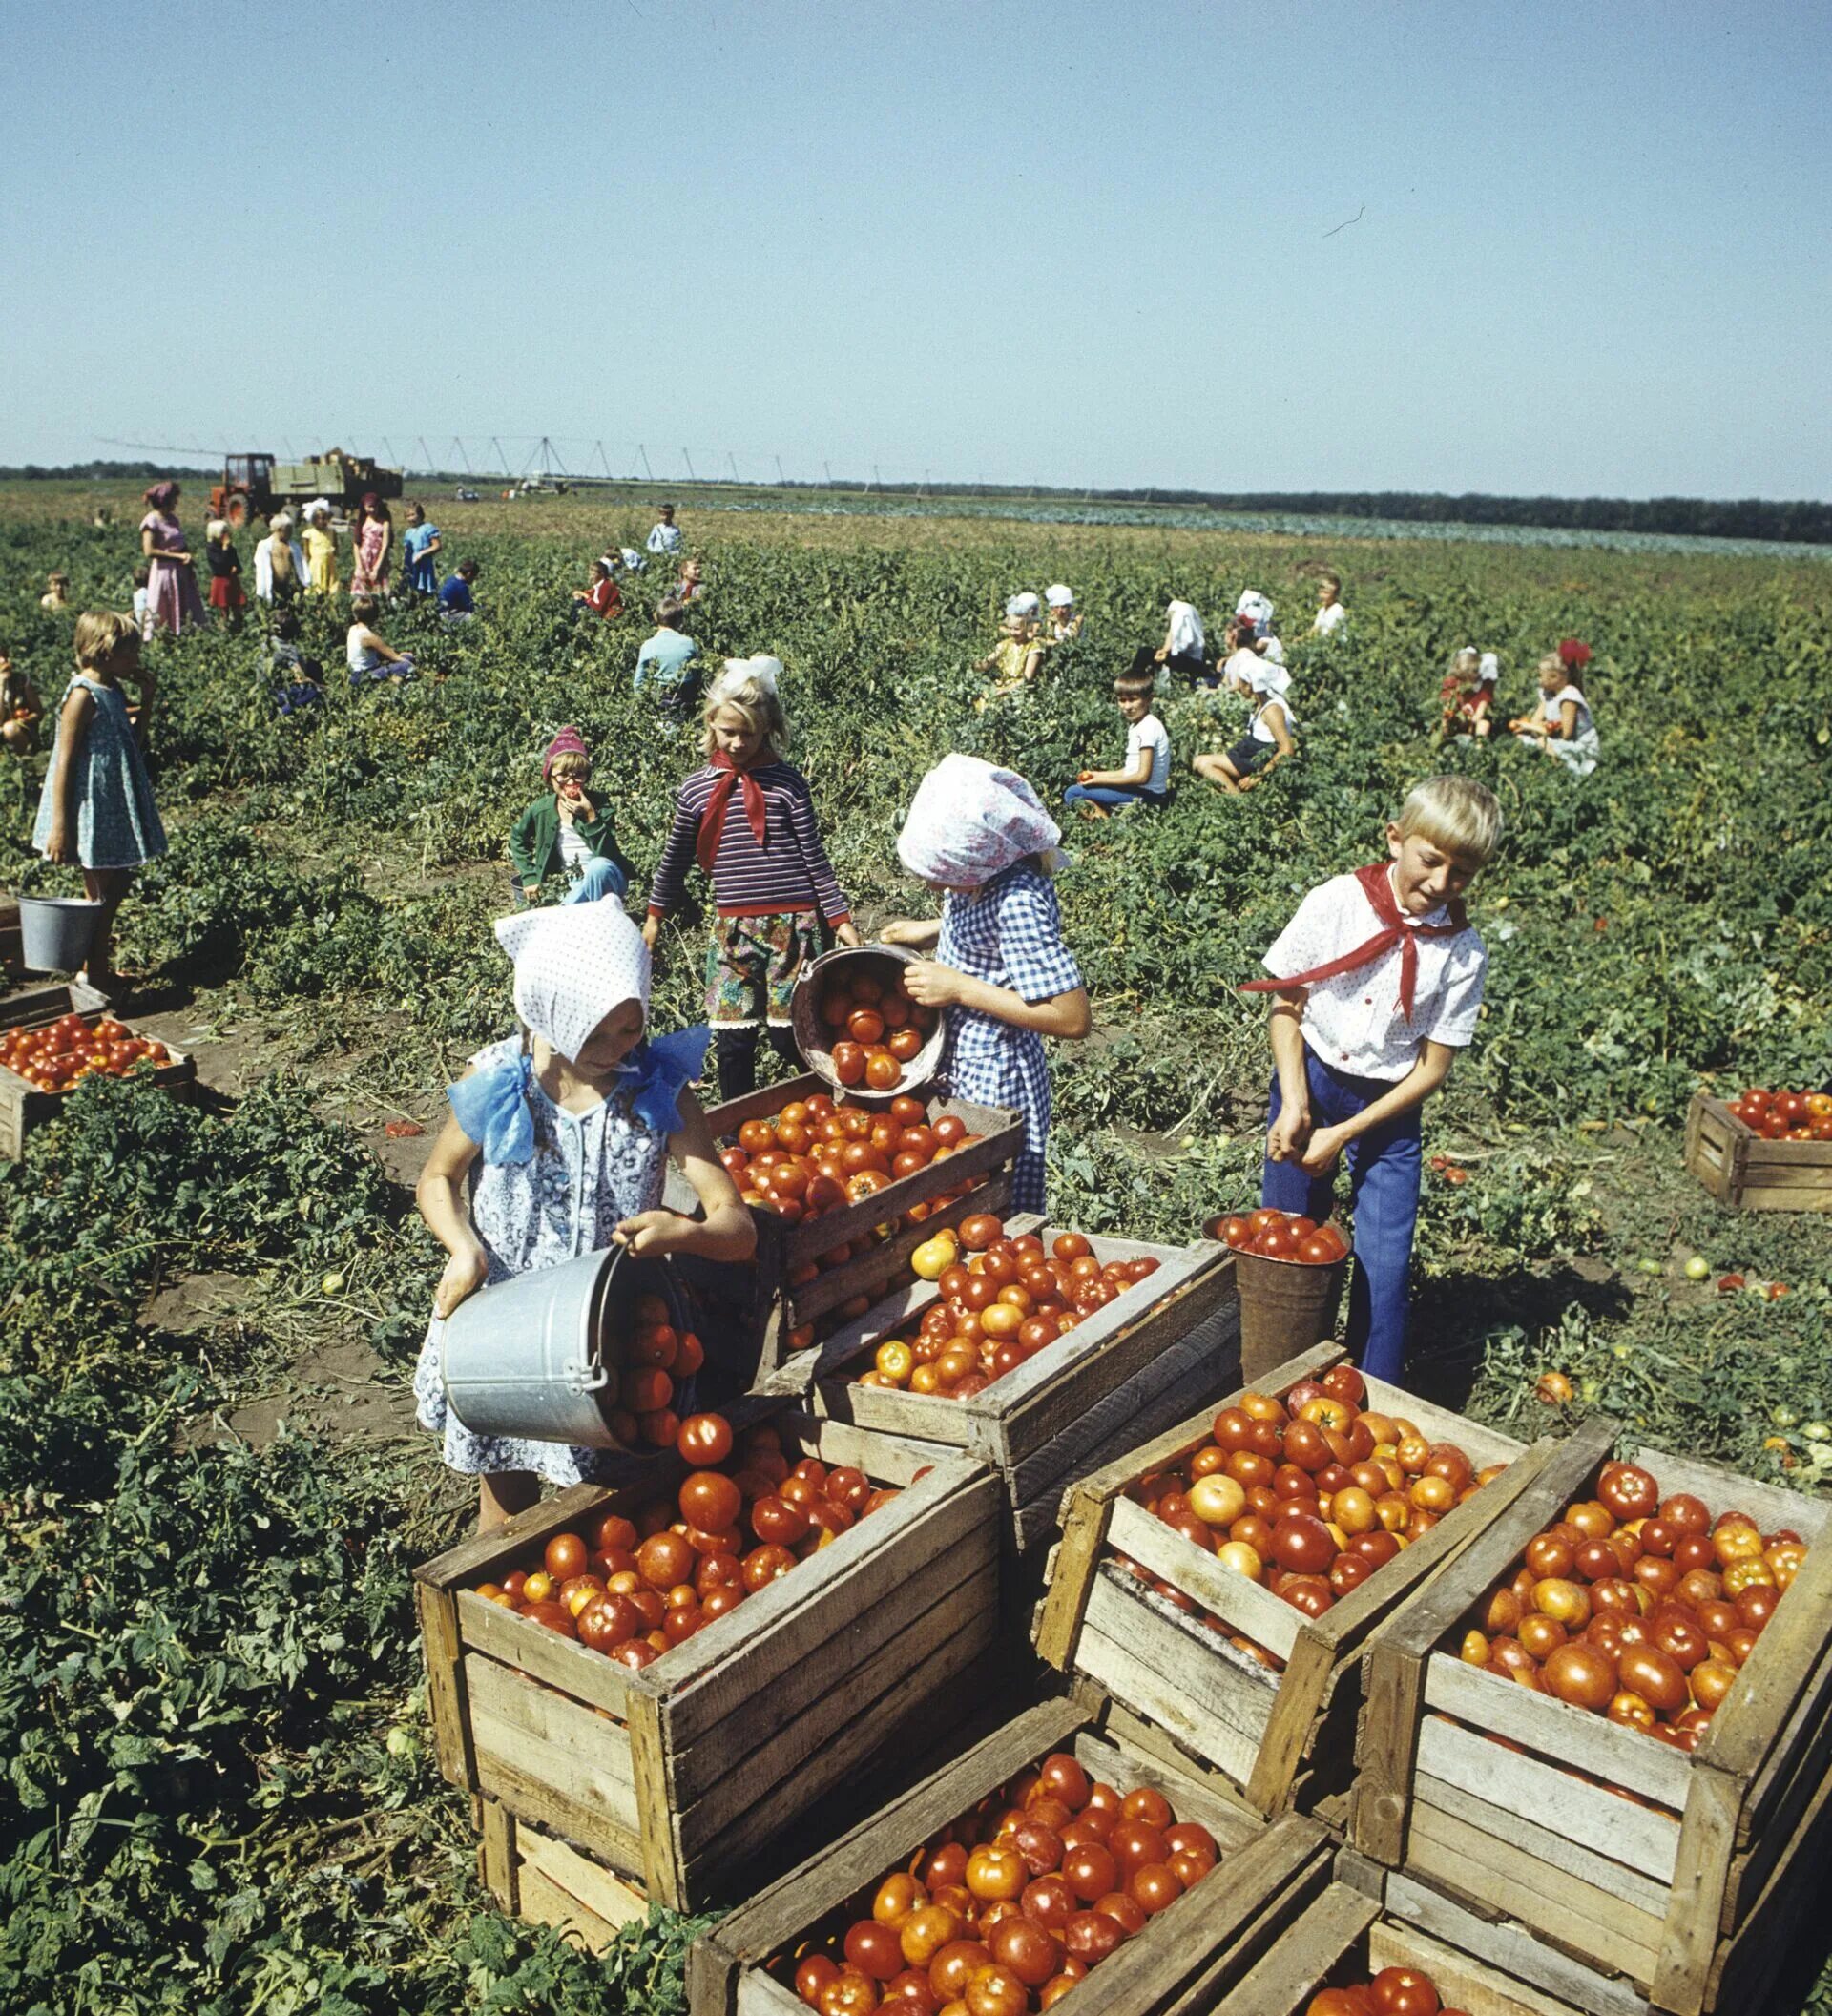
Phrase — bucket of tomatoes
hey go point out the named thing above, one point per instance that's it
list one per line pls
(856, 1025)
(1289, 1273)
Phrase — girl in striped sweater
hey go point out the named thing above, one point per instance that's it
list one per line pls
(747, 819)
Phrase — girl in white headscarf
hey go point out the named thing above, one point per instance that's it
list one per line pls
(1268, 739)
(556, 1146)
(979, 837)
(1065, 618)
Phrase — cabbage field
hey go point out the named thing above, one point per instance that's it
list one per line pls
(218, 1791)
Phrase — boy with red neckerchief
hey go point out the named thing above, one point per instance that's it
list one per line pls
(1377, 982)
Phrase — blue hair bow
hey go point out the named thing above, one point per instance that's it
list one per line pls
(492, 1109)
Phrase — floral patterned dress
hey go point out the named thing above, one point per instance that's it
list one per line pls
(588, 1172)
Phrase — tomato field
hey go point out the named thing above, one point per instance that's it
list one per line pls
(212, 1490)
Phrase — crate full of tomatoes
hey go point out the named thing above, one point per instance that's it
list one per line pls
(1042, 1350)
(1764, 1151)
(1622, 1695)
(670, 1672)
(1222, 1580)
(843, 1193)
(1050, 1864)
(53, 1039)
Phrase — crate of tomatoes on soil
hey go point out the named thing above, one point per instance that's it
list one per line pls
(1222, 1582)
(670, 1674)
(1048, 1865)
(56, 1037)
(841, 1194)
(1040, 1349)
(1600, 1745)
(1764, 1151)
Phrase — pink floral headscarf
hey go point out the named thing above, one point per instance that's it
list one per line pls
(970, 822)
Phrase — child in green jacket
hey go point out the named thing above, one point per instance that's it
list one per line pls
(567, 832)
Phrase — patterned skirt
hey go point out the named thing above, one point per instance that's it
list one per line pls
(753, 964)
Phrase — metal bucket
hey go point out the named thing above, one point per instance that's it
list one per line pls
(529, 1359)
(55, 932)
(1285, 1307)
(815, 1040)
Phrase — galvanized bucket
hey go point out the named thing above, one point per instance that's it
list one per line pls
(530, 1358)
(815, 1040)
(55, 932)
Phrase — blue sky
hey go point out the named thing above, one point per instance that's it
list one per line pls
(1067, 243)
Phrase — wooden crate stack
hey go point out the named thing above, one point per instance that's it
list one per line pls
(1748, 1172)
(1281, 1737)
(1606, 1869)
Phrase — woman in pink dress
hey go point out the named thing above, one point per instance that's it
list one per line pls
(171, 597)
(372, 532)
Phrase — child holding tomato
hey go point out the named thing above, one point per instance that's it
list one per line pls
(748, 819)
(1377, 984)
(980, 837)
(556, 1146)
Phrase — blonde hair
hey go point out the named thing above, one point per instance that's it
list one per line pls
(216, 528)
(99, 634)
(1454, 813)
(1566, 674)
(753, 703)
(1467, 659)
(571, 762)
(282, 522)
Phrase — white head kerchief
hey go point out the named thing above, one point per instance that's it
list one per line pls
(969, 821)
(1025, 604)
(1059, 596)
(764, 668)
(1488, 669)
(573, 964)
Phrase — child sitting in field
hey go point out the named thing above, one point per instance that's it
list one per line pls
(1184, 643)
(1330, 614)
(1065, 618)
(748, 819)
(1377, 984)
(557, 1145)
(1268, 740)
(665, 660)
(1469, 692)
(979, 837)
(1564, 726)
(603, 599)
(226, 596)
(1146, 778)
(57, 594)
(1015, 658)
(297, 681)
(21, 710)
(97, 808)
(369, 656)
(567, 832)
(456, 602)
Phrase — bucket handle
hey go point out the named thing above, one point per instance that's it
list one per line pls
(582, 1378)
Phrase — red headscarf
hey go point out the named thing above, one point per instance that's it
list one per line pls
(712, 822)
(1377, 885)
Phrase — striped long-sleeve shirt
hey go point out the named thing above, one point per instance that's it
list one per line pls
(789, 872)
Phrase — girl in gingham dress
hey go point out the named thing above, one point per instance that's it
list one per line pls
(980, 836)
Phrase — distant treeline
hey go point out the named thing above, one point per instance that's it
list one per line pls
(1803, 520)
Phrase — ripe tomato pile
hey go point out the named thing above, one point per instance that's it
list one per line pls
(876, 1027)
(634, 1588)
(815, 1156)
(1003, 1912)
(1002, 1301)
(63, 1052)
(1309, 1494)
(1785, 1117)
(1283, 1235)
(1636, 1607)
(655, 1358)
(1394, 1991)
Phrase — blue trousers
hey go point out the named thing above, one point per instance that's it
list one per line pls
(1113, 795)
(1383, 1192)
(598, 877)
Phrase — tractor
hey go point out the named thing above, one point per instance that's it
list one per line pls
(255, 486)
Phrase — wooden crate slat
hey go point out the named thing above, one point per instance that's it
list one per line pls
(1792, 1896)
(758, 1995)
(601, 1900)
(1786, 1785)
(563, 1662)
(1481, 1445)
(439, 1645)
(485, 1557)
(1107, 1757)
(1248, 1606)
(1771, 1504)
(1461, 1982)
(1300, 1961)
(531, 1726)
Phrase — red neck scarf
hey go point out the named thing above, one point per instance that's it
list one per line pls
(1377, 885)
(712, 822)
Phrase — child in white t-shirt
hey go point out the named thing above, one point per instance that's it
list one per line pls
(1564, 726)
(1330, 614)
(1146, 778)
(1269, 738)
(1377, 984)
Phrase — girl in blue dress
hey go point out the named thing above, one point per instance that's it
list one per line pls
(557, 1144)
(980, 837)
(96, 809)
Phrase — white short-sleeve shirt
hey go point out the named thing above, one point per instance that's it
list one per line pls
(1354, 1022)
(1150, 733)
(1329, 621)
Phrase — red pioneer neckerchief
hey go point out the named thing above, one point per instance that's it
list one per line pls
(1377, 886)
(712, 822)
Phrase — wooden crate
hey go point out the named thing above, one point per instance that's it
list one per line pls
(13, 952)
(737, 1968)
(1672, 1879)
(1342, 1934)
(1746, 1173)
(677, 1775)
(1281, 1737)
(23, 1106)
(1166, 1345)
(761, 1303)
(540, 1878)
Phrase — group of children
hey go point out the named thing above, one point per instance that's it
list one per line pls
(1563, 724)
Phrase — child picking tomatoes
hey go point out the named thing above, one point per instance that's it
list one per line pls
(1376, 982)
(749, 821)
(555, 1146)
(981, 838)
